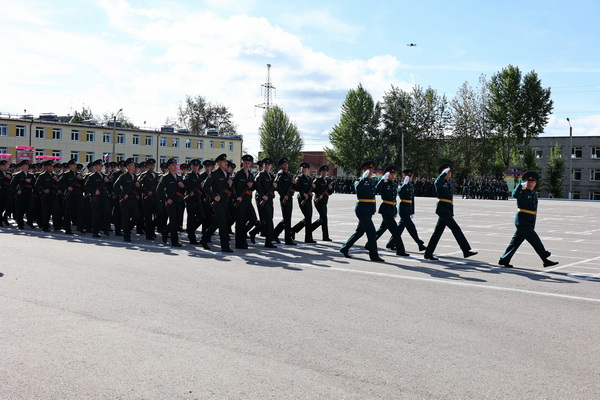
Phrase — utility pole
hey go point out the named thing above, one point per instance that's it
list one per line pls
(570, 161)
(268, 91)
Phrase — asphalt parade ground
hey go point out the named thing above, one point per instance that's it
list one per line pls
(85, 318)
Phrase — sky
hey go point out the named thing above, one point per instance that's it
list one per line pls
(145, 57)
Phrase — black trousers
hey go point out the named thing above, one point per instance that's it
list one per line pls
(73, 211)
(525, 233)
(245, 219)
(130, 214)
(195, 217)
(172, 227)
(265, 213)
(100, 214)
(221, 211)
(322, 221)
(407, 223)
(365, 225)
(153, 215)
(24, 204)
(389, 224)
(286, 223)
(443, 222)
(306, 223)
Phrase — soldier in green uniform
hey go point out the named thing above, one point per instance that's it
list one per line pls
(97, 186)
(218, 187)
(245, 216)
(388, 190)
(193, 200)
(527, 202)
(127, 188)
(71, 184)
(445, 212)
(48, 190)
(5, 193)
(153, 209)
(305, 187)
(286, 189)
(265, 192)
(323, 188)
(365, 209)
(171, 190)
(406, 208)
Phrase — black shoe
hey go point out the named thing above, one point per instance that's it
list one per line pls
(241, 246)
(432, 258)
(20, 227)
(252, 237)
(376, 258)
(227, 250)
(402, 253)
(327, 240)
(270, 245)
(96, 235)
(388, 246)
(194, 241)
(106, 233)
(310, 241)
(204, 245)
(548, 263)
(469, 254)
(165, 238)
(127, 239)
(80, 230)
(118, 233)
(345, 253)
(150, 237)
(276, 240)
(504, 263)
(422, 247)
(31, 226)
(68, 232)
(290, 243)
(176, 244)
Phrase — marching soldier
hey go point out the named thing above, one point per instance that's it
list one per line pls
(117, 218)
(97, 186)
(170, 190)
(364, 210)
(305, 188)
(406, 208)
(153, 209)
(5, 193)
(193, 200)
(388, 189)
(243, 185)
(71, 184)
(48, 190)
(286, 188)
(445, 212)
(218, 187)
(209, 165)
(323, 188)
(265, 192)
(126, 187)
(527, 202)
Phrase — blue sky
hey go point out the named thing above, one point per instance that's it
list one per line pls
(146, 56)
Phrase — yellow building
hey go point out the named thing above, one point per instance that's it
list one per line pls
(51, 135)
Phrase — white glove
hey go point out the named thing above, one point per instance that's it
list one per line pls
(386, 176)
(366, 173)
(524, 185)
(446, 170)
(406, 179)
(411, 216)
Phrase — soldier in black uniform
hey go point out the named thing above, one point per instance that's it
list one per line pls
(445, 212)
(209, 217)
(97, 186)
(265, 192)
(5, 193)
(171, 190)
(286, 188)
(48, 190)
(527, 202)
(218, 187)
(245, 216)
(323, 188)
(305, 187)
(127, 188)
(153, 208)
(71, 184)
(193, 200)
(117, 218)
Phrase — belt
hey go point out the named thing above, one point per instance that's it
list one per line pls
(445, 200)
(526, 211)
(405, 201)
(388, 202)
(366, 200)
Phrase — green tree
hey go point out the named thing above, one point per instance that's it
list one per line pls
(85, 114)
(395, 111)
(196, 114)
(356, 138)
(555, 169)
(530, 161)
(518, 108)
(279, 137)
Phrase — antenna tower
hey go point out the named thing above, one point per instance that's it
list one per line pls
(268, 91)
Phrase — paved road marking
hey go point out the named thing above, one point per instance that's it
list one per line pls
(568, 265)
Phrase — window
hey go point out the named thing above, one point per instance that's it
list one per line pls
(149, 156)
(136, 140)
(230, 146)
(211, 144)
(136, 158)
(163, 142)
(89, 157)
(576, 175)
(3, 130)
(222, 145)
(595, 152)
(74, 135)
(3, 150)
(120, 138)
(576, 195)
(595, 175)
(594, 195)
(538, 152)
(40, 133)
(149, 140)
(57, 153)
(20, 131)
(75, 156)
(40, 152)
(175, 142)
(90, 136)
(188, 143)
(56, 134)
(162, 159)
(577, 152)
(201, 144)
(107, 137)
(120, 156)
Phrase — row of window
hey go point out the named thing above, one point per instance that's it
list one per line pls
(591, 196)
(594, 174)
(40, 133)
(576, 152)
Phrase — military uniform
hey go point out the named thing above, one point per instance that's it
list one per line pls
(218, 184)
(71, 184)
(305, 188)
(5, 194)
(97, 186)
(245, 216)
(406, 209)
(286, 190)
(323, 188)
(193, 202)
(171, 188)
(22, 186)
(264, 198)
(388, 190)
(153, 208)
(527, 203)
(126, 187)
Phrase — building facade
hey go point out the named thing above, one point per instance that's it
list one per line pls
(582, 173)
(52, 136)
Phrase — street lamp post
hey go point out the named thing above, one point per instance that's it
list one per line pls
(570, 160)
(114, 155)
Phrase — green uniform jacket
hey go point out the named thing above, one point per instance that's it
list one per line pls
(168, 188)
(527, 202)
(365, 190)
(443, 190)
(387, 190)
